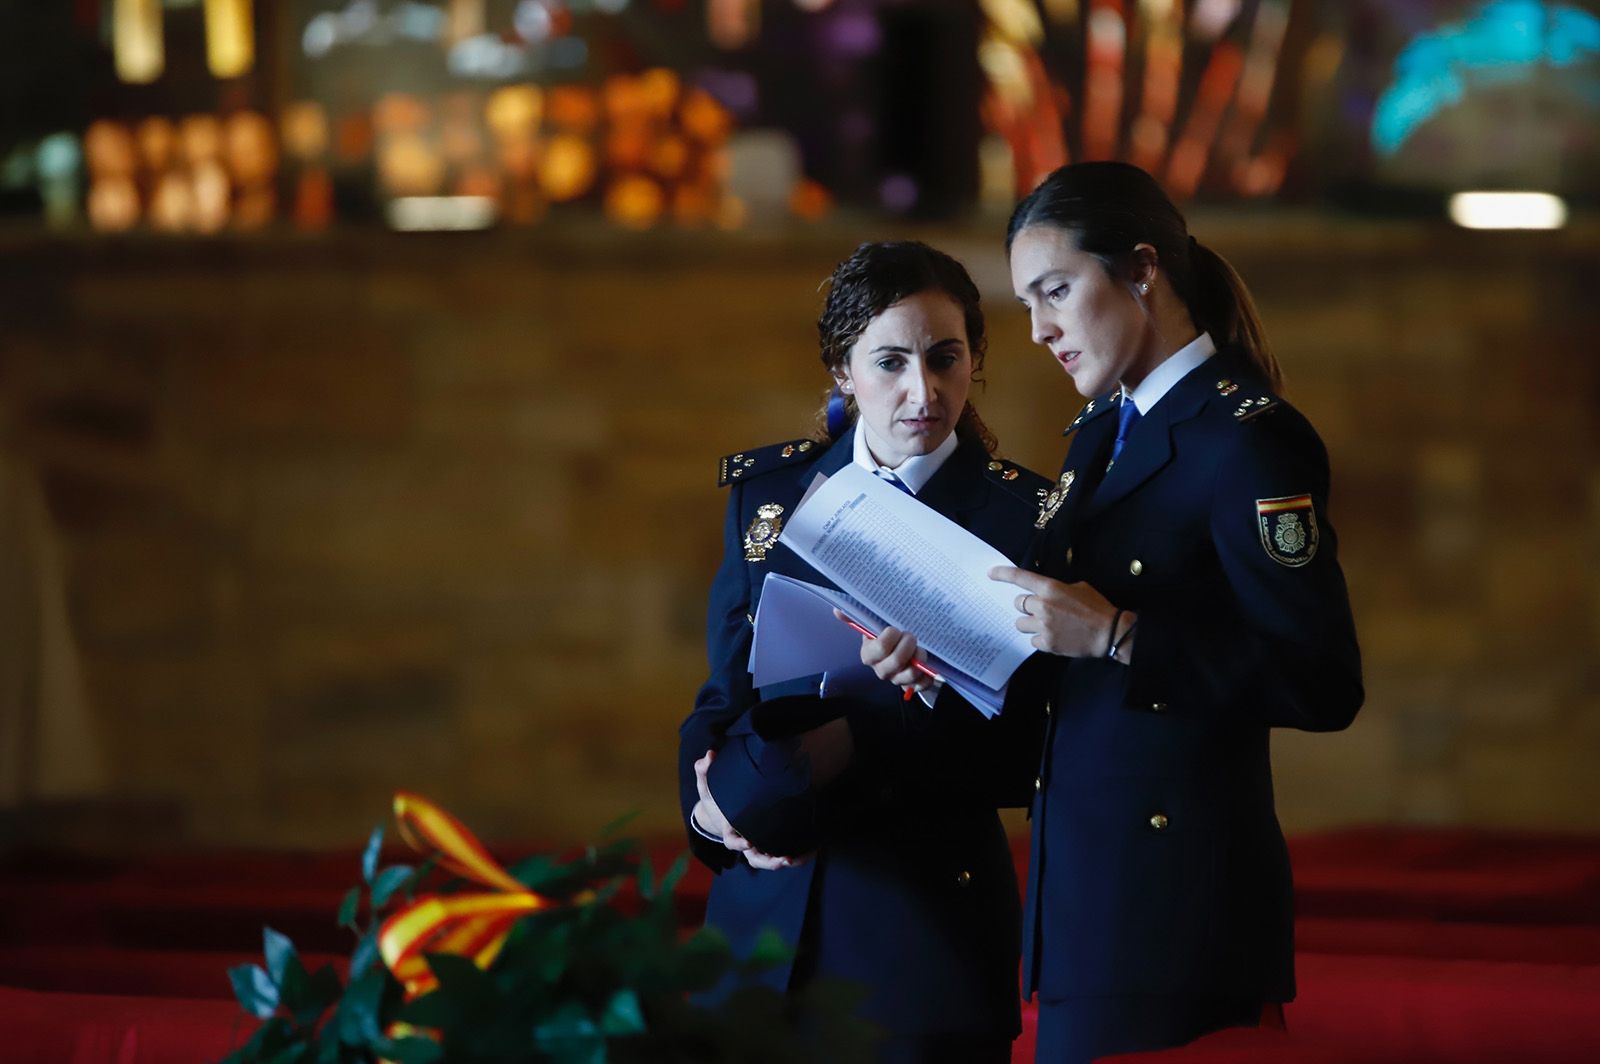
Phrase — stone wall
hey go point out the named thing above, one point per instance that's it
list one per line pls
(349, 514)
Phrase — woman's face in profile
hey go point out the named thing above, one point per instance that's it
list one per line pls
(1091, 323)
(910, 371)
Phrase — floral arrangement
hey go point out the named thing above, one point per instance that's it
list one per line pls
(459, 959)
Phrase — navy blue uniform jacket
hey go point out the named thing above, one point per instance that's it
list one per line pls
(912, 891)
(1158, 864)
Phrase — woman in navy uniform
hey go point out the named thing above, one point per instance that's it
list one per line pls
(862, 828)
(1186, 594)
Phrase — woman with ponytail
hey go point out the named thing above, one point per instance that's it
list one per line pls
(1186, 598)
(859, 827)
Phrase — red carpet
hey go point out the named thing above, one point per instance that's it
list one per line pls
(1415, 946)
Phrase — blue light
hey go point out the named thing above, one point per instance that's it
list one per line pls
(1505, 41)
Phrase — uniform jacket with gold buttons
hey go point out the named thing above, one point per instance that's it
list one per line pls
(912, 890)
(1158, 864)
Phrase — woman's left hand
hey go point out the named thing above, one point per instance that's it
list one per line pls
(1072, 620)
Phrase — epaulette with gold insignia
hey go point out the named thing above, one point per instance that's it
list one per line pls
(746, 464)
(1251, 409)
(1023, 482)
(1094, 408)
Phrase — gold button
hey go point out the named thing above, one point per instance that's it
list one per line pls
(964, 878)
(1038, 783)
(1069, 555)
(996, 467)
(1159, 821)
(1136, 567)
(1158, 707)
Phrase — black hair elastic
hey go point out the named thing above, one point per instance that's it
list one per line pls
(1117, 646)
(1111, 636)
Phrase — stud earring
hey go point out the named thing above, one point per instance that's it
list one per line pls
(1144, 289)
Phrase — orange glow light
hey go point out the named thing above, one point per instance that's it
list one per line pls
(313, 200)
(704, 119)
(572, 107)
(399, 112)
(568, 168)
(810, 200)
(1102, 108)
(634, 202)
(201, 138)
(108, 148)
(514, 111)
(158, 143)
(669, 156)
(304, 129)
(249, 148)
(409, 166)
(113, 204)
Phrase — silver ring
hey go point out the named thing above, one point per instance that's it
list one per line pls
(1023, 605)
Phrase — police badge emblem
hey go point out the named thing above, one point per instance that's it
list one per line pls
(1054, 498)
(1288, 529)
(763, 532)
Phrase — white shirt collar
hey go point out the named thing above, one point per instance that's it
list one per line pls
(914, 472)
(1176, 367)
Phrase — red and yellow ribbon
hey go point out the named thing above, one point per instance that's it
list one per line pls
(473, 925)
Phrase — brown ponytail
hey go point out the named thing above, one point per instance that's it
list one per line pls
(1222, 306)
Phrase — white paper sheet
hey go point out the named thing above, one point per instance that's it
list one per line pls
(796, 634)
(914, 569)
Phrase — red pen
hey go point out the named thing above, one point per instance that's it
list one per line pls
(919, 666)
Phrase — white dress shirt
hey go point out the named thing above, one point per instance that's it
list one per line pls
(1176, 367)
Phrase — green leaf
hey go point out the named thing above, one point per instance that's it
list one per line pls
(369, 856)
(387, 882)
(770, 949)
(647, 885)
(537, 871)
(257, 993)
(460, 979)
(570, 1036)
(675, 874)
(703, 959)
(622, 1016)
(278, 951)
(294, 989)
(348, 908)
(616, 826)
(422, 873)
(322, 989)
(357, 1018)
(366, 952)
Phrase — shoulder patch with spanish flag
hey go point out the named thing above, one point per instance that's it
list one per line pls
(1288, 529)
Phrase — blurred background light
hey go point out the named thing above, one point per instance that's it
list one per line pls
(136, 40)
(230, 37)
(1508, 210)
(417, 214)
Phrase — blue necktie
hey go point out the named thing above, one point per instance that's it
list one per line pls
(888, 474)
(1127, 417)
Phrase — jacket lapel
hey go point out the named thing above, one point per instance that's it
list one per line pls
(1149, 447)
(958, 489)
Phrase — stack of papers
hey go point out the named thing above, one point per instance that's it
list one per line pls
(900, 564)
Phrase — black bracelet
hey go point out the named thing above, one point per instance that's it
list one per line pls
(1111, 636)
(1116, 647)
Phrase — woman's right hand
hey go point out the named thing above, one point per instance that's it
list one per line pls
(890, 655)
